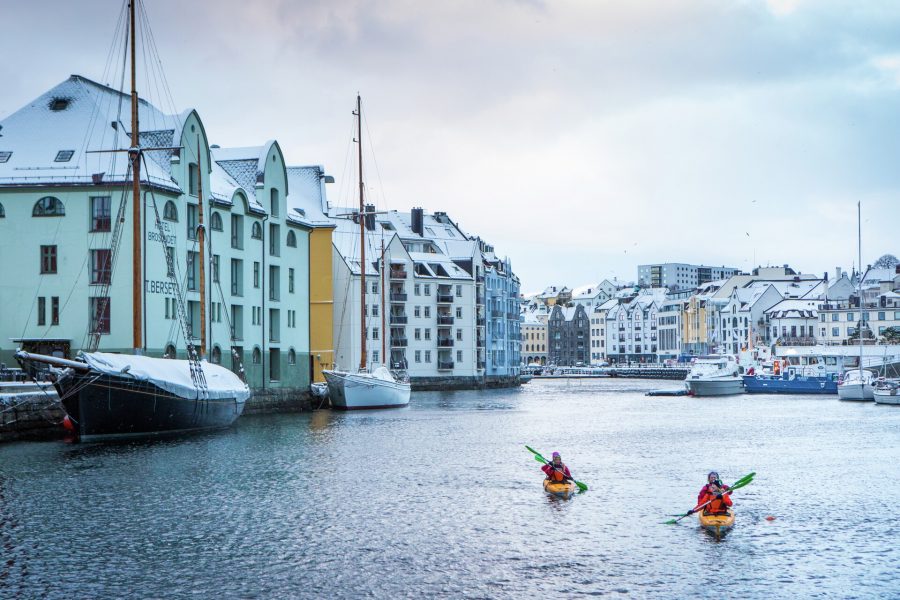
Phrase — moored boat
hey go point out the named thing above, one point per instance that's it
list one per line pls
(857, 385)
(887, 391)
(714, 375)
(789, 382)
(719, 524)
(563, 489)
(378, 389)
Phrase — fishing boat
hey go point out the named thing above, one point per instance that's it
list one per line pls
(714, 375)
(111, 396)
(562, 489)
(718, 525)
(857, 384)
(792, 380)
(370, 386)
(887, 391)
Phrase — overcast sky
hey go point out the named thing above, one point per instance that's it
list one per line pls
(581, 138)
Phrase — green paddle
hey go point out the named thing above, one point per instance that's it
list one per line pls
(537, 456)
(745, 480)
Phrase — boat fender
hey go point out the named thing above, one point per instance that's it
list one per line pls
(770, 518)
(67, 424)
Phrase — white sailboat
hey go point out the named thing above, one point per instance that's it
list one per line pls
(714, 375)
(368, 387)
(857, 385)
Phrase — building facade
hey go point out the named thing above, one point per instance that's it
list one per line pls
(681, 275)
(568, 332)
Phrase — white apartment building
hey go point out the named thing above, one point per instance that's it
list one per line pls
(681, 275)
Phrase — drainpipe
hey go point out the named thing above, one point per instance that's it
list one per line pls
(262, 283)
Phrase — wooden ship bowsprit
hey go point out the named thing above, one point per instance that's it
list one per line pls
(108, 396)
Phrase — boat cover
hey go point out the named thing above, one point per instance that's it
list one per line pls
(172, 375)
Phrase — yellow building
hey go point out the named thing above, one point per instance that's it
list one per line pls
(694, 326)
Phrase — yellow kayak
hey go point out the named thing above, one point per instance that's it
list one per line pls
(717, 524)
(563, 490)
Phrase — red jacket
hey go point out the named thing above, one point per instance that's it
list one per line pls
(715, 505)
(556, 475)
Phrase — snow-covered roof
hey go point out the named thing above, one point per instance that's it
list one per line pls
(794, 308)
(80, 116)
(245, 166)
(307, 201)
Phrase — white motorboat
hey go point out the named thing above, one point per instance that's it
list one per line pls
(376, 389)
(887, 391)
(857, 385)
(714, 375)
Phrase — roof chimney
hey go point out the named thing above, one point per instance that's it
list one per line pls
(838, 273)
(417, 221)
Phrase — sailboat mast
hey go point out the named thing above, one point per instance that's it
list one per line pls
(384, 356)
(134, 155)
(859, 284)
(201, 240)
(362, 241)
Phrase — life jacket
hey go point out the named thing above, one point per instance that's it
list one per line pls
(557, 475)
(716, 506)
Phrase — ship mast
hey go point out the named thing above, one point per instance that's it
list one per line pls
(384, 356)
(362, 242)
(201, 240)
(134, 155)
(859, 285)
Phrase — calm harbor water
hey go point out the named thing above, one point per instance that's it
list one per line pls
(441, 499)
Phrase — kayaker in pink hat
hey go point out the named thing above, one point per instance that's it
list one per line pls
(557, 470)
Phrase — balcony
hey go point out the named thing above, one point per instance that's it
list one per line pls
(399, 342)
(399, 319)
(481, 365)
(445, 342)
(480, 321)
(479, 298)
(479, 341)
(445, 319)
(399, 363)
(398, 274)
(445, 365)
(445, 298)
(497, 314)
(397, 297)
(512, 316)
(479, 278)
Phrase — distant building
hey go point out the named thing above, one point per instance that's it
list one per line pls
(568, 335)
(679, 275)
(534, 339)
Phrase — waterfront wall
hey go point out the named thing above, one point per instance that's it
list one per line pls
(422, 384)
(28, 413)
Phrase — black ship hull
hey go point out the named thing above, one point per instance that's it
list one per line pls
(104, 407)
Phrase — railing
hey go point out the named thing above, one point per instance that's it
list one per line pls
(481, 364)
(395, 297)
(445, 298)
(445, 319)
(496, 314)
(398, 274)
(480, 321)
(512, 316)
(479, 341)
(479, 298)
(399, 319)
(399, 342)
(445, 366)
(445, 343)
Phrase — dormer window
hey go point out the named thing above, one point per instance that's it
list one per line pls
(5, 156)
(64, 156)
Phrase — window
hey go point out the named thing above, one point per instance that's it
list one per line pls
(881, 315)
(192, 213)
(850, 317)
(42, 311)
(170, 212)
(48, 259)
(374, 287)
(99, 315)
(428, 356)
(417, 334)
(193, 180)
(417, 311)
(418, 356)
(257, 356)
(292, 357)
(48, 206)
(256, 231)
(4, 156)
(291, 239)
(273, 202)
(427, 289)
(193, 270)
(375, 355)
(274, 325)
(101, 267)
(459, 356)
(274, 282)
(459, 312)
(64, 156)
(290, 281)
(237, 321)
(2, 212)
(274, 240)
(835, 317)
(54, 310)
(459, 335)
(427, 333)
(427, 312)
(215, 268)
(215, 222)
(374, 310)
(459, 291)
(375, 333)
(237, 277)
(237, 232)
(416, 289)
(100, 217)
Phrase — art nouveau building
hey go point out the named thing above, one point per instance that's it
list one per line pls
(66, 242)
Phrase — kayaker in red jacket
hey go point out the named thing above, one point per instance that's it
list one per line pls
(714, 493)
(557, 470)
